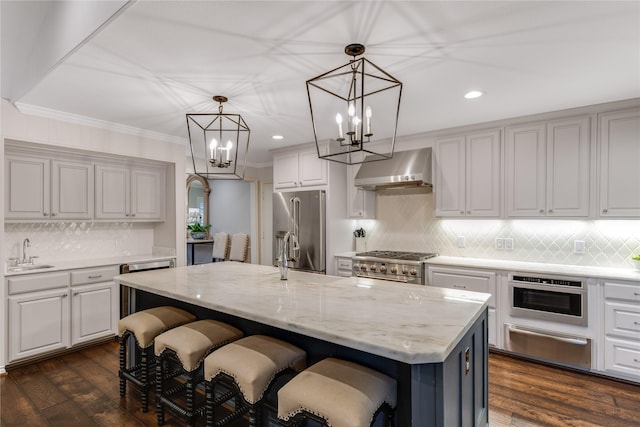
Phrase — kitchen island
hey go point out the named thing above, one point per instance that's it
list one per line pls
(432, 340)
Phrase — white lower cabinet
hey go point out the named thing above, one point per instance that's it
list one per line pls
(345, 266)
(55, 311)
(94, 306)
(622, 329)
(38, 323)
(470, 280)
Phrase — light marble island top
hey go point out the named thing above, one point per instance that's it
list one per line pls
(408, 323)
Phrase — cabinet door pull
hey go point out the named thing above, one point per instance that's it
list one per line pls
(45, 214)
(604, 211)
(459, 287)
(95, 277)
(53, 214)
(65, 295)
(75, 294)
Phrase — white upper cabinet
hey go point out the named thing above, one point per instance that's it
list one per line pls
(71, 190)
(619, 164)
(468, 175)
(285, 170)
(147, 193)
(45, 189)
(361, 203)
(129, 193)
(568, 159)
(300, 168)
(113, 192)
(525, 170)
(547, 168)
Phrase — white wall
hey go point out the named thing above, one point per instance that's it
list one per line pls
(230, 206)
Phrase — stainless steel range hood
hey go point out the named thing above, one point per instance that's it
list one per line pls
(406, 169)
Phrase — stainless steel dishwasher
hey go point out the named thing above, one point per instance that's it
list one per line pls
(127, 298)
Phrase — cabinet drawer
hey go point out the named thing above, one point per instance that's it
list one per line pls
(478, 281)
(345, 264)
(622, 320)
(37, 282)
(93, 275)
(629, 292)
(622, 356)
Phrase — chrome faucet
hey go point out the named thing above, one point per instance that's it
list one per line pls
(283, 260)
(25, 244)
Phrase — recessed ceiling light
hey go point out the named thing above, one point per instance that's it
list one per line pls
(277, 137)
(473, 94)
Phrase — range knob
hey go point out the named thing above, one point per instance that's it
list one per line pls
(383, 269)
(413, 271)
(356, 266)
(373, 267)
(394, 269)
(363, 267)
(404, 270)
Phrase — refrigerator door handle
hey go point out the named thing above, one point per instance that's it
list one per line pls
(295, 247)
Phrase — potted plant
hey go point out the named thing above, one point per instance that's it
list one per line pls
(636, 261)
(198, 231)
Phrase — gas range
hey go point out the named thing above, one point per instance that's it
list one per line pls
(406, 267)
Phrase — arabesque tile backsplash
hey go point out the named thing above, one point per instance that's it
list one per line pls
(64, 241)
(405, 220)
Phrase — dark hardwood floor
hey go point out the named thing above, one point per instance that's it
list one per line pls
(81, 389)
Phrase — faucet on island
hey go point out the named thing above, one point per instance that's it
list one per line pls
(283, 257)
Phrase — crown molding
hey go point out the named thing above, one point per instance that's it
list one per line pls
(49, 113)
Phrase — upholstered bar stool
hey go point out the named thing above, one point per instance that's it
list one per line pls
(180, 352)
(337, 393)
(144, 326)
(246, 369)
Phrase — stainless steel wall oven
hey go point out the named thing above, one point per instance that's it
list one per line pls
(547, 298)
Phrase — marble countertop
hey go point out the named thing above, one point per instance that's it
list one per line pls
(409, 323)
(348, 254)
(536, 267)
(88, 263)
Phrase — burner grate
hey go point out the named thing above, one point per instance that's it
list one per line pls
(399, 255)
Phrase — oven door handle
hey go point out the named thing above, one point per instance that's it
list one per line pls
(574, 340)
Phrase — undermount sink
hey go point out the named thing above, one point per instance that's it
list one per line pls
(29, 267)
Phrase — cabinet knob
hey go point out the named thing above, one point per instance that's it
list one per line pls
(468, 212)
(53, 214)
(126, 214)
(541, 211)
(550, 210)
(133, 214)
(604, 211)
(461, 212)
(65, 295)
(45, 214)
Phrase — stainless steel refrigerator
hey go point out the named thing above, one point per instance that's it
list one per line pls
(302, 215)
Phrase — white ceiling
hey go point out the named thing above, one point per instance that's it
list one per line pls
(155, 61)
